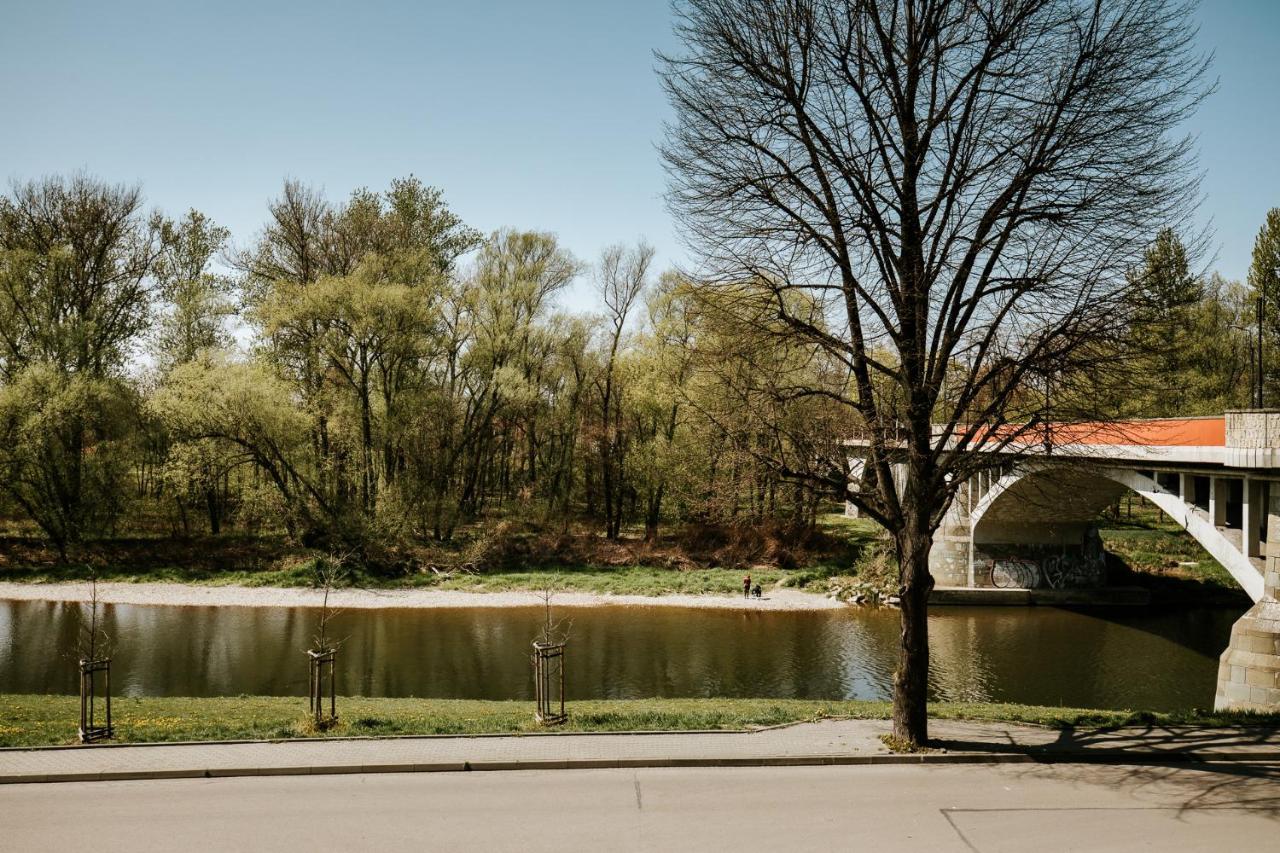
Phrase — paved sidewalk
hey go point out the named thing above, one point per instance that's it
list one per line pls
(825, 742)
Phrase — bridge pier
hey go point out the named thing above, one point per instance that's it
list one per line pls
(1249, 670)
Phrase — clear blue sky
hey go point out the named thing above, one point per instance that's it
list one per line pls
(529, 114)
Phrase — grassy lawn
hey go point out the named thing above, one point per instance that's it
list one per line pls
(27, 720)
(1166, 552)
(1159, 554)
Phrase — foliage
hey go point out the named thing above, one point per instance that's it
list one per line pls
(1264, 283)
(77, 259)
(65, 450)
(1190, 340)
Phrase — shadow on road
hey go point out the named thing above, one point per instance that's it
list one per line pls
(1174, 766)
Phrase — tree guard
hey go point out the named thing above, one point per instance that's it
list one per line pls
(90, 694)
(323, 681)
(548, 682)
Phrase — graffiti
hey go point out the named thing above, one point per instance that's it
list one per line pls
(1073, 570)
(1014, 574)
(1082, 567)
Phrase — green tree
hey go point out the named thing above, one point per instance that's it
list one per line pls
(1264, 282)
(197, 302)
(247, 406)
(343, 297)
(658, 369)
(1165, 339)
(77, 265)
(480, 431)
(66, 453)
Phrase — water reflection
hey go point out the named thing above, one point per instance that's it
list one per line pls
(1160, 660)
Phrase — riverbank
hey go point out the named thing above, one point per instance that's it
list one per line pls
(194, 595)
(841, 553)
(31, 720)
(844, 557)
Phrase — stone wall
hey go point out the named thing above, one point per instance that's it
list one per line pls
(1253, 439)
(1253, 428)
(1249, 670)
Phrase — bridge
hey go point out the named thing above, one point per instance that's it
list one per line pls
(1030, 520)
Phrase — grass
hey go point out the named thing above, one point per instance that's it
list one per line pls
(618, 580)
(514, 561)
(1165, 552)
(1157, 553)
(33, 720)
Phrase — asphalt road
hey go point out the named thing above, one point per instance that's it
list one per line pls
(937, 808)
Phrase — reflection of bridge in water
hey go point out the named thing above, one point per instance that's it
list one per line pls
(1031, 520)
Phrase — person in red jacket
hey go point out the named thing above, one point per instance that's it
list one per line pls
(746, 587)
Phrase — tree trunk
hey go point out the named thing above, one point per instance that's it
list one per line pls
(211, 503)
(654, 513)
(911, 679)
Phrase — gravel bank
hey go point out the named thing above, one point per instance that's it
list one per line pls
(244, 596)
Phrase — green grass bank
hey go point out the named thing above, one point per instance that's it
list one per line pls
(38, 720)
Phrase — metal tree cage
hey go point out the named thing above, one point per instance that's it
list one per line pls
(92, 726)
(548, 682)
(322, 681)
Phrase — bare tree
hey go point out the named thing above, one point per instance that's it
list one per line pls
(942, 198)
(552, 631)
(322, 657)
(93, 643)
(330, 572)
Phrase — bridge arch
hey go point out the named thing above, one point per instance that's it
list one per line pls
(1053, 507)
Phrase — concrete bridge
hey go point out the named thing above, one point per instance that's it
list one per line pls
(1030, 521)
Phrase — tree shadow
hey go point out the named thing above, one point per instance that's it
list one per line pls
(1184, 767)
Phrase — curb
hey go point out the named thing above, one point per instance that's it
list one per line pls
(1118, 757)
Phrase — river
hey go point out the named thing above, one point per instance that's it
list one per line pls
(1156, 659)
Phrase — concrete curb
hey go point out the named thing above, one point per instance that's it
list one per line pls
(1118, 757)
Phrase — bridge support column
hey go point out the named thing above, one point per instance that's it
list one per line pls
(1218, 502)
(1249, 670)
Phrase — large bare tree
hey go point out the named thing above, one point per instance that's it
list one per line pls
(943, 197)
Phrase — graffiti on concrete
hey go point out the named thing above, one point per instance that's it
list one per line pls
(1015, 574)
(1085, 566)
(1073, 570)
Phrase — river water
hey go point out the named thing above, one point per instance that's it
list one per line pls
(1162, 660)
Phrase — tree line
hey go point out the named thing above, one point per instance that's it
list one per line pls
(374, 370)
(363, 373)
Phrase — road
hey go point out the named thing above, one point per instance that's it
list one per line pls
(939, 808)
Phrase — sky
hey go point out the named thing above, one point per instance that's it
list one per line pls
(541, 115)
